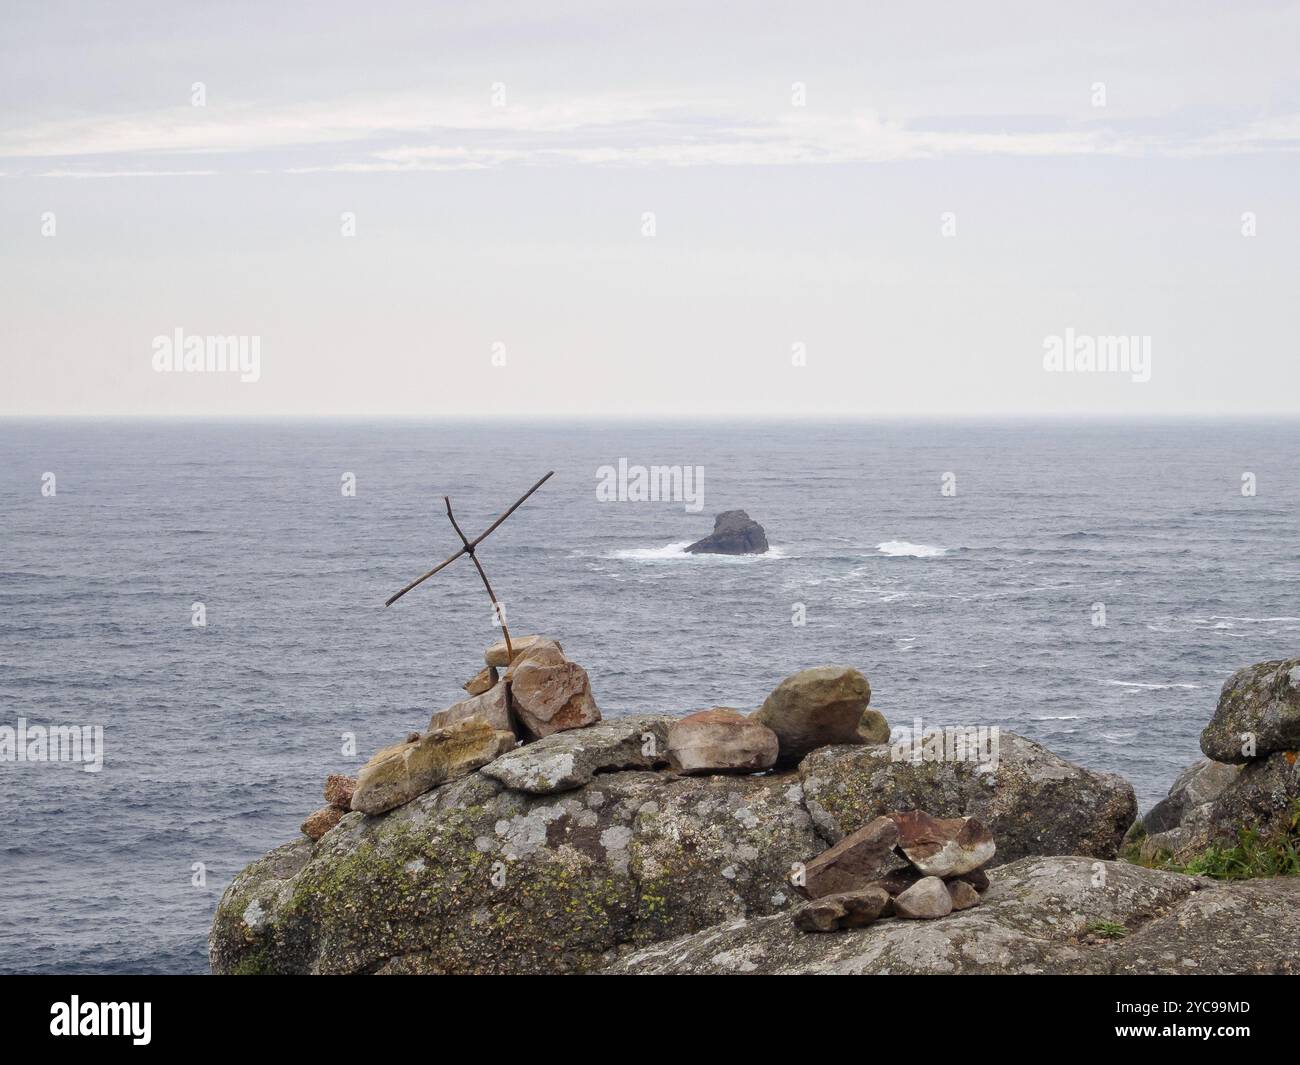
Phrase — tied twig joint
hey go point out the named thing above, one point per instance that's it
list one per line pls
(468, 548)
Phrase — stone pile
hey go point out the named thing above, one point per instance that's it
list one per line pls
(905, 864)
(539, 693)
(338, 794)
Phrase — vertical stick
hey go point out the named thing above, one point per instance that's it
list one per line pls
(496, 607)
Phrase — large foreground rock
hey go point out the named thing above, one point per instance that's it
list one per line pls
(1260, 703)
(1034, 802)
(477, 878)
(1035, 918)
(813, 708)
(734, 533)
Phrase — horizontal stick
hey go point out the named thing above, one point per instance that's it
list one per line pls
(420, 580)
(469, 547)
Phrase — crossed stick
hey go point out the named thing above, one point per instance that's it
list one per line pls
(468, 549)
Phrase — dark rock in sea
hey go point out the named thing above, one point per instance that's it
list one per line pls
(734, 533)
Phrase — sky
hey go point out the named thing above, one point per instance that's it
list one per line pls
(648, 209)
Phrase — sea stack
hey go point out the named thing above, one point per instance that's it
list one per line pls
(734, 533)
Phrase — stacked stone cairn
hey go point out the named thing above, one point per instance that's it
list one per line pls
(905, 864)
(539, 692)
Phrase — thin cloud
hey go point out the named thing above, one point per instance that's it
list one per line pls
(414, 133)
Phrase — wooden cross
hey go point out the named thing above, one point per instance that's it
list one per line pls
(468, 549)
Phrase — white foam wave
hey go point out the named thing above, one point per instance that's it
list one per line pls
(905, 549)
(1150, 687)
(677, 551)
(1058, 717)
(1253, 621)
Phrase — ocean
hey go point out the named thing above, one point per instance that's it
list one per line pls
(963, 567)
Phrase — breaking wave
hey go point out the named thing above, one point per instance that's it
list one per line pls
(904, 549)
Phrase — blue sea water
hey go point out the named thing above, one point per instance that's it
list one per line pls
(973, 608)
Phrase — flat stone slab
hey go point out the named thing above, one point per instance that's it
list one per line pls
(567, 760)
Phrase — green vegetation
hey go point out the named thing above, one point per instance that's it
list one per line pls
(1257, 852)
(1108, 929)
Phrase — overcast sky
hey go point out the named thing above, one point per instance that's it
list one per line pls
(1096, 164)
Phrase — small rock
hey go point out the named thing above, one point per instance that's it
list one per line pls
(338, 790)
(321, 821)
(734, 533)
(721, 740)
(496, 654)
(943, 846)
(927, 899)
(814, 708)
(855, 861)
(484, 680)
(492, 707)
(976, 878)
(549, 693)
(873, 728)
(849, 909)
(397, 774)
(963, 894)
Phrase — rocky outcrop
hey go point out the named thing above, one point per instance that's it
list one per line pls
(813, 708)
(399, 773)
(734, 533)
(1253, 786)
(474, 877)
(721, 740)
(1033, 801)
(1258, 713)
(567, 760)
(1041, 915)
